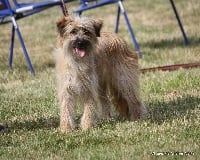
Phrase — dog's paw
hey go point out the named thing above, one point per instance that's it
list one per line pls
(66, 128)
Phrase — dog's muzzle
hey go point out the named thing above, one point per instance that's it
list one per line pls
(80, 46)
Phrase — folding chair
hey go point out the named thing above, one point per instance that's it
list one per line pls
(86, 5)
(9, 14)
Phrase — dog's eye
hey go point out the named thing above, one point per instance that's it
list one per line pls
(86, 32)
(74, 31)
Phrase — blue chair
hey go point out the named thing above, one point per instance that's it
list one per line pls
(88, 4)
(11, 13)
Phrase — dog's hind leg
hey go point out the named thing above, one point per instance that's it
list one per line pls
(119, 102)
(105, 102)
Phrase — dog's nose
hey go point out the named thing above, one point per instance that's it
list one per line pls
(81, 43)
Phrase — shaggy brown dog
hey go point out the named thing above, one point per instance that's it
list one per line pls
(94, 67)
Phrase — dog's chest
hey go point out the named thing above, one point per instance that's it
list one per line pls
(77, 83)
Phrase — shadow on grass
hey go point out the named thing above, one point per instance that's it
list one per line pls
(40, 123)
(159, 111)
(166, 43)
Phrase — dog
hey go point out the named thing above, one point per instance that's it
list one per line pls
(98, 70)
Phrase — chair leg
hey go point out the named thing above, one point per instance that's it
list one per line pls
(130, 29)
(11, 47)
(117, 20)
(28, 61)
(179, 22)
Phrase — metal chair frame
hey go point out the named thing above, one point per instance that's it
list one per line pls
(10, 14)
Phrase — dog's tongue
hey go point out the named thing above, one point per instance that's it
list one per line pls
(80, 52)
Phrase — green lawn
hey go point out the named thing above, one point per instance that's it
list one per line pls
(28, 104)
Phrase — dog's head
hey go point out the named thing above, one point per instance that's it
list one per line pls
(79, 34)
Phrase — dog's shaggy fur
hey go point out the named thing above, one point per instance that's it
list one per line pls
(94, 67)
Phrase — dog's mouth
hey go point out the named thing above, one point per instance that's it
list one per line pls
(80, 47)
(80, 52)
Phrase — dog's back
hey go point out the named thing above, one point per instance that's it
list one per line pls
(112, 50)
(114, 45)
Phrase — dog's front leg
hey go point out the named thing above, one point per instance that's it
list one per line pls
(89, 114)
(67, 113)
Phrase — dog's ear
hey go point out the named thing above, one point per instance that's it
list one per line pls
(61, 24)
(98, 25)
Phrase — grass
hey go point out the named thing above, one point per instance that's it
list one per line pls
(28, 105)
